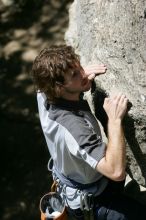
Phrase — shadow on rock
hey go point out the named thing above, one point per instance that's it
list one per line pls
(99, 95)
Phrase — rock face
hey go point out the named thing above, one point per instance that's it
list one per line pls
(113, 32)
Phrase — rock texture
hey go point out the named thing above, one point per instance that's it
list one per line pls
(113, 32)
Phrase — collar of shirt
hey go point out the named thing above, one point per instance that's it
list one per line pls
(81, 105)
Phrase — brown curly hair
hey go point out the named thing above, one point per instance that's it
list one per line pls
(50, 68)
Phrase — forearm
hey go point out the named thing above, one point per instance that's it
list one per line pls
(112, 164)
(115, 154)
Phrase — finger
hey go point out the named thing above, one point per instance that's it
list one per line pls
(91, 76)
(107, 100)
(116, 97)
(101, 68)
(122, 98)
(96, 65)
(99, 71)
(95, 69)
(125, 102)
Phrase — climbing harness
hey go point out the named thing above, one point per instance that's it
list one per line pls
(86, 198)
(59, 196)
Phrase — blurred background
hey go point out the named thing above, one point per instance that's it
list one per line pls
(26, 27)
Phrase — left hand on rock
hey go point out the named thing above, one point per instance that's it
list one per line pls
(93, 70)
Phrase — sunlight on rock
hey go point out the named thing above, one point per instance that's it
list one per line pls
(21, 77)
(29, 56)
(7, 2)
(18, 33)
(54, 28)
(25, 112)
(35, 42)
(56, 4)
(11, 48)
(44, 19)
(29, 89)
(23, 205)
(34, 29)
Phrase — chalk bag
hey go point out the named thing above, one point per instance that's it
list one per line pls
(52, 207)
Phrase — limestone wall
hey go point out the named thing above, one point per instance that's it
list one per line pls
(113, 32)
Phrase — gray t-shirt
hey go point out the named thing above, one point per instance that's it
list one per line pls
(74, 141)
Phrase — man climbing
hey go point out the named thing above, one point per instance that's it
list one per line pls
(90, 173)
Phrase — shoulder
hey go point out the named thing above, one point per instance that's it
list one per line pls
(68, 119)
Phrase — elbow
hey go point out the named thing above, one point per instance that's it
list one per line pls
(118, 176)
(115, 173)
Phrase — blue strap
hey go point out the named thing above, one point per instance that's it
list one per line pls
(72, 183)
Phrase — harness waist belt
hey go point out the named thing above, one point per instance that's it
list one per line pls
(72, 183)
